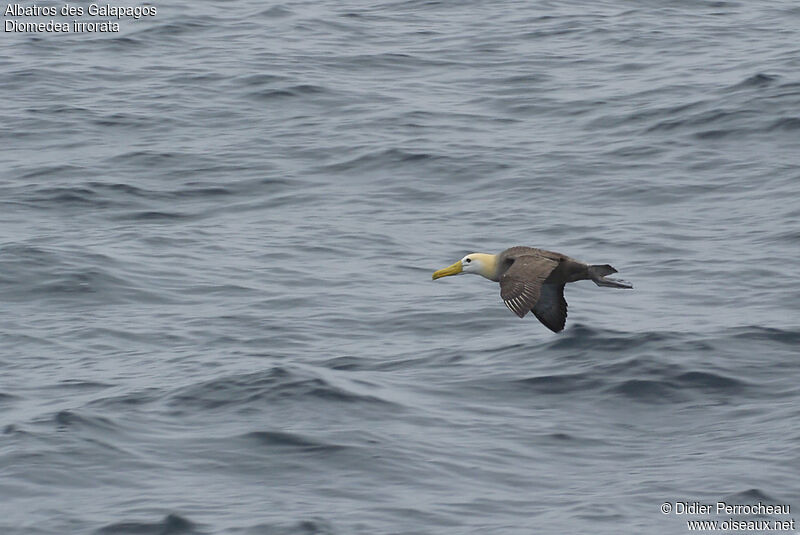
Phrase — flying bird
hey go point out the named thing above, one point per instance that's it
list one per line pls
(533, 280)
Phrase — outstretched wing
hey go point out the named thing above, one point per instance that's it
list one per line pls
(551, 308)
(521, 284)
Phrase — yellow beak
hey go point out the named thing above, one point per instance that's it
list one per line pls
(455, 269)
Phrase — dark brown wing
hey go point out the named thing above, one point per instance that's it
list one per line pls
(521, 283)
(551, 308)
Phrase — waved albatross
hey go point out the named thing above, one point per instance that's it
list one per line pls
(533, 279)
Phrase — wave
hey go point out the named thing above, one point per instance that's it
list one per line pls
(291, 441)
(120, 195)
(276, 11)
(381, 159)
(7, 399)
(559, 384)
(301, 527)
(172, 524)
(294, 91)
(661, 386)
(63, 275)
(272, 385)
(658, 367)
(750, 496)
(757, 80)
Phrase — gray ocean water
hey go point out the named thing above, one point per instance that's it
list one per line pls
(217, 233)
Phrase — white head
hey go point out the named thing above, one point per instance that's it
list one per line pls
(478, 263)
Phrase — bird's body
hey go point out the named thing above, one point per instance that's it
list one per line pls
(533, 279)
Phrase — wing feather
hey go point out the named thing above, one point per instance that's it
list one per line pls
(551, 308)
(521, 284)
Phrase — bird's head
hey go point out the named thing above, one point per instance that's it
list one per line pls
(478, 263)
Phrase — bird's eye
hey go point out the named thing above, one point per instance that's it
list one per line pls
(469, 260)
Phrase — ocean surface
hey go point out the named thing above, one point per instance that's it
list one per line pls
(217, 232)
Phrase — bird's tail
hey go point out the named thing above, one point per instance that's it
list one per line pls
(598, 274)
